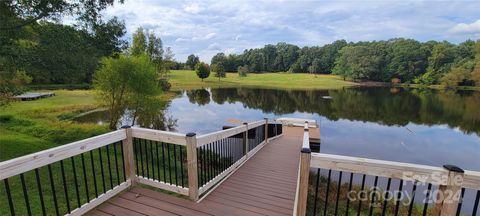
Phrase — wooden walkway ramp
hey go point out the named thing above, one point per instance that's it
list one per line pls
(264, 185)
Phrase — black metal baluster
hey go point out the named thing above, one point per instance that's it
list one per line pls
(200, 166)
(146, 158)
(199, 172)
(151, 159)
(217, 161)
(372, 202)
(169, 164)
(181, 166)
(328, 190)
(135, 152)
(25, 194)
(347, 208)
(52, 186)
(141, 156)
(164, 164)
(109, 167)
(475, 205)
(116, 162)
(316, 193)
(361, 191)
(338, 191)
(414, 189)
(40, 192)
(459, 207)
(75, 181)
(9, 196)
(427, 199)
(94, 174)
(175, 163)
(101, 169)
(65, 189)
(385, 202)
(397, 205)
(202, 150)
(85, 177)
(123, 162)
(215, 167)
(158, 161)
(209, 162)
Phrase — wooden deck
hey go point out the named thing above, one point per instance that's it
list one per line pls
(264, 185)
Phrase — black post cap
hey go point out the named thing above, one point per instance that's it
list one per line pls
(126, 126)
(245, 123)
(453, 168)
(191, 134)
(306, 150)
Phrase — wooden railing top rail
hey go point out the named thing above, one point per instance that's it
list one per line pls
(160, 136)
(218, 135)
(39, 159)
(390, 169)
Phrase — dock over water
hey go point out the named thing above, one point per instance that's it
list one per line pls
(33, 95)
(257, 168)
(264, 185)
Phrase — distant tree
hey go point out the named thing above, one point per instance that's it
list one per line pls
(154, 48)
(455, 77)
(219, 70)
(192, 61)
(139, 43)
(243, 71)
(168, 54)
(219, 58)
(12, 84)
(202, 70)
(358, 62)
(108, 37)
(475, 75)
(408, 59)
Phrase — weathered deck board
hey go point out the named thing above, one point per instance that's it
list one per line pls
(264, 185)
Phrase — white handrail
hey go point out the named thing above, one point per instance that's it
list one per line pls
(39, 159)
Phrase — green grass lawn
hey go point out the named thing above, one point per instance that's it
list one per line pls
(187, 79)
(31, 126)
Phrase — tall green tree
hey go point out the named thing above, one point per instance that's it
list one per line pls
(139, 42)
(219, 70)
(192, 61)
(126, 82)
(154, 47)
(202, 70)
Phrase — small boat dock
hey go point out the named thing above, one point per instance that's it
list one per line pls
(33, 95)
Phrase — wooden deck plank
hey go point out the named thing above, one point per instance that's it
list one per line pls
(264, 185)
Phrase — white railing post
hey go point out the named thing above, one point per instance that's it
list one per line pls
(127, 146)
(192, 166)
(304, 172)
(449, 194)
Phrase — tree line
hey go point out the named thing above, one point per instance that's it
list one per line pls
(399, 59)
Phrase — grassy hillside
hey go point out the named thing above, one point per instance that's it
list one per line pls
(187, 79)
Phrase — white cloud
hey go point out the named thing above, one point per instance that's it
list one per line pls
(464, 28)
(214, 46)
(205, 37)
(192, 8)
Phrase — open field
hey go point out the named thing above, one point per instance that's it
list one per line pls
(187, 79)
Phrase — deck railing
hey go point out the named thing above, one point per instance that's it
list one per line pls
(395, 188)
(75, 178)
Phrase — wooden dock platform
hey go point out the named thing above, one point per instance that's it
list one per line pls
(264, 185)
(236, 171)
(33, 95)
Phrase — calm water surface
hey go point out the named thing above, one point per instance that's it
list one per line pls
(425, 127)
(417, 126)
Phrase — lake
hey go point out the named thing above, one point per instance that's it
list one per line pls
(408, 125)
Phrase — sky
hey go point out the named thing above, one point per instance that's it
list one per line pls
(205, 28)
